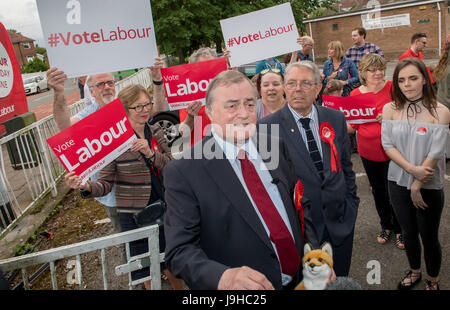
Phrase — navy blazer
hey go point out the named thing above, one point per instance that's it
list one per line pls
(334, 203)
(211, 225)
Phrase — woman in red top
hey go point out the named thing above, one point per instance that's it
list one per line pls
(372, 69)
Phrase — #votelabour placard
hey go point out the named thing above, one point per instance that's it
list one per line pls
(262, 34)
(186, 83)
(87, 37)
(92, 143)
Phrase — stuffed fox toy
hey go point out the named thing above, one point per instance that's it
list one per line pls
(317, 267)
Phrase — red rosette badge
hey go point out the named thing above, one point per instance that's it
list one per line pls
(298, 195)
(327, 134)
(154, 145)
(422, 131)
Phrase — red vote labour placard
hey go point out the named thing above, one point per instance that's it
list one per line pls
(95, 141)
(357, 109)
(186, 83)
(13, 101)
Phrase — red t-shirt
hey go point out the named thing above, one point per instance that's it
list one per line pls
(201, 121)
(410, 54)
(369, 134)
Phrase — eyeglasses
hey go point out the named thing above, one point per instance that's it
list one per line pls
(110, 83)
(375, 70)
(140, 108)
(274, 70)
(305, 85)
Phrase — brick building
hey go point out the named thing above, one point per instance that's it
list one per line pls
(23, 48)
(390, 27)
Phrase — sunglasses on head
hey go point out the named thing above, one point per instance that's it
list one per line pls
(274, 70)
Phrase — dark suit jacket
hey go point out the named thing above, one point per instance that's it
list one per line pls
(211, 225)
(334, 203)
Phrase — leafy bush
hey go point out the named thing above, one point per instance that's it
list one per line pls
(35, 65)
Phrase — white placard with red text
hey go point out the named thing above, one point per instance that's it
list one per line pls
(92, 143)
(261, 34)
(95, 36)
(186, 83)
(357, 109)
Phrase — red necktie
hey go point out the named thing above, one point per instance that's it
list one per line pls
(279, 233)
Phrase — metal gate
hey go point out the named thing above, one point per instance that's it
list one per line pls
(151, 259)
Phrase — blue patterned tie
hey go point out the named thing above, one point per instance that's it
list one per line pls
(312, 146)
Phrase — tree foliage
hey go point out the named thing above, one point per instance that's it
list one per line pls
(41, 50)
(183, 26)
(35, 65)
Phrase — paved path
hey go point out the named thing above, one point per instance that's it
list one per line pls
(391, 262)
(47, 108)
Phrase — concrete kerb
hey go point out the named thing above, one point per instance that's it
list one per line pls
(30, 222)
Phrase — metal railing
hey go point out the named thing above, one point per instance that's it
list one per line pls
(142, 77)
(32, 170)
(151, 259)
(28, 168)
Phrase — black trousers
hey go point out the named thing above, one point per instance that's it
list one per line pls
(377, 172)
(415, 222)
(342, 253)
(140, 246)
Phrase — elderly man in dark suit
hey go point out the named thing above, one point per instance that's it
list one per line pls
(231, 222)
(318, 143)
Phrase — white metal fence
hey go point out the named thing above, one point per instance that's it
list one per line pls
(151, 259)
(28, 167)
(142, 77)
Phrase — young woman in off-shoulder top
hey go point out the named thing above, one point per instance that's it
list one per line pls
(415, 133)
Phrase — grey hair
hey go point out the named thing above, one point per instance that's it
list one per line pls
(204, 51)
(304, 64)
(226, 78)
(89, 79)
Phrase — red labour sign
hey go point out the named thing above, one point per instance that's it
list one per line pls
(95, 141)
(13, 101)
(357, 109)
(186, 83)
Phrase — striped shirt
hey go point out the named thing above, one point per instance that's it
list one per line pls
(313, 124)
(355, 53)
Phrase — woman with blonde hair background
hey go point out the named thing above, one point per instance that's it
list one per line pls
(372, 71)
(339, 68)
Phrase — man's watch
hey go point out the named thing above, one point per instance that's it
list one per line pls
(157, 82)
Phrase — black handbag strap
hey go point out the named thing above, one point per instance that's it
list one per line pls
(157, 184)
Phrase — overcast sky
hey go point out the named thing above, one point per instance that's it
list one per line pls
(22, 15)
